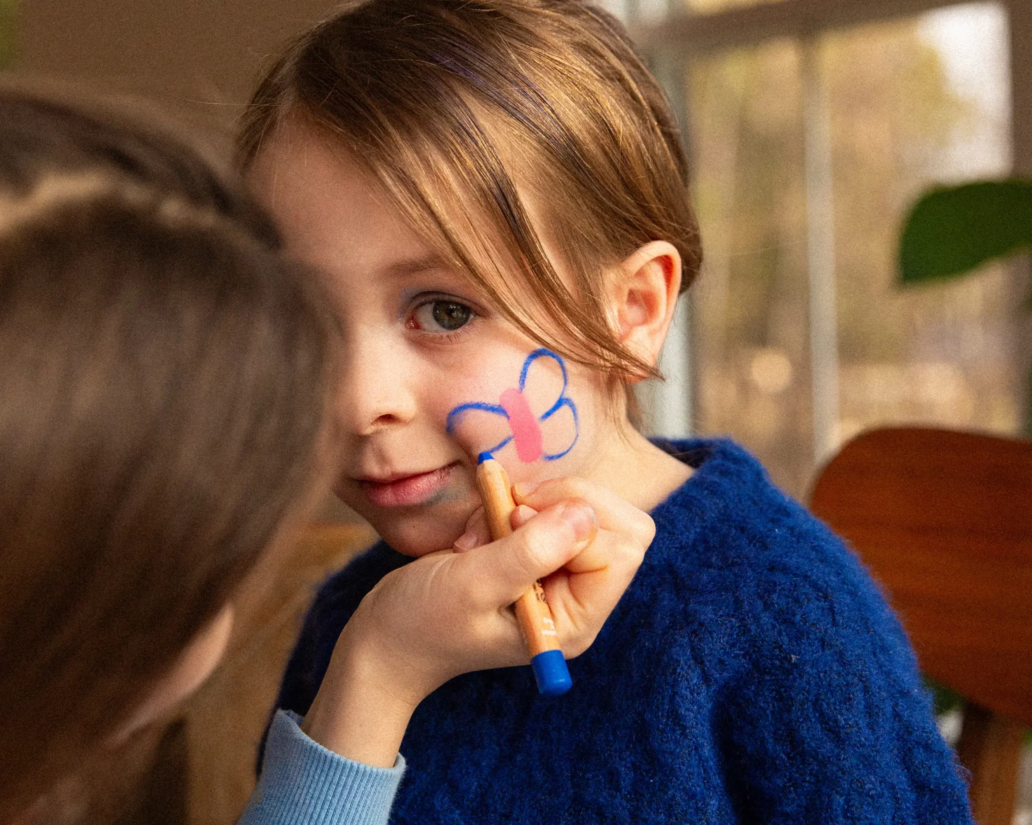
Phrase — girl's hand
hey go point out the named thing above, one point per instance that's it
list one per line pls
(583, 592)
(449, 612)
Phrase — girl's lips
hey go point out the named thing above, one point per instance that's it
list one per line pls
(407, 491)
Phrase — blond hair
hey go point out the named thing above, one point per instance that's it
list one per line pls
(482, 102)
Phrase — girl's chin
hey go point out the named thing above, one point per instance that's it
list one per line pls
(418, 539)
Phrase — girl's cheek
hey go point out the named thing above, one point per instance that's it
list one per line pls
(477, 427)
(531, 424)
(536, 472)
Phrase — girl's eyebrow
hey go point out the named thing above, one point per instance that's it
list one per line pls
(417, 266)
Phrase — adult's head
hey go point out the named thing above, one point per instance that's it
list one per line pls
(163, 383)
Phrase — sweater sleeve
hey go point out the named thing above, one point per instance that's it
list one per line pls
(303, 782)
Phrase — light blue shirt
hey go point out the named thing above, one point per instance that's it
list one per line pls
(303, 782)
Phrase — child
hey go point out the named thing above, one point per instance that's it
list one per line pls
(163, 424)
(496, 196)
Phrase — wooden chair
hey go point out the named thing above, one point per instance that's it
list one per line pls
(944, 521)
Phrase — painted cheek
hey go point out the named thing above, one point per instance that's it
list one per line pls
(477, 426)
(495, 425)
(525, 430)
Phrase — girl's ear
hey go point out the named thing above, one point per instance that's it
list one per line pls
(643, 296)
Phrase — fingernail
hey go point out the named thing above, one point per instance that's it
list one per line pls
(467, 541)
(581, 518)
(525, 488)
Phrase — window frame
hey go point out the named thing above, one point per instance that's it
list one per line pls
(668, 41)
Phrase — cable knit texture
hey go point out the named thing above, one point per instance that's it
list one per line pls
(752, 673)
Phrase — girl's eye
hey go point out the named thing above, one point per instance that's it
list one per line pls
(441, 316)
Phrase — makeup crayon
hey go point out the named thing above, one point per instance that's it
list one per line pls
(532, 611)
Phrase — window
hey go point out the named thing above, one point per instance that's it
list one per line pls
(813, 126)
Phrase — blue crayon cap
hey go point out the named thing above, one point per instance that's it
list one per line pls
(551, 672)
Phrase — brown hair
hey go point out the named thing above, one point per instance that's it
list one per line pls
(464, 99)
(165, 375)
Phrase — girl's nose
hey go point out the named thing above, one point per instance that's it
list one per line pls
(377, 391)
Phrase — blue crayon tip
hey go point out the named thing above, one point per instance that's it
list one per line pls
(484, 456)
(551, 672)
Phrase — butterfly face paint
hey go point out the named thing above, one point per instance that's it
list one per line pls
(547, 436)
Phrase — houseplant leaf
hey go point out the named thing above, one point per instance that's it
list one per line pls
(953, 230)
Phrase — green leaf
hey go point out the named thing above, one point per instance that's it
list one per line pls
(943, 699)
(952, 230)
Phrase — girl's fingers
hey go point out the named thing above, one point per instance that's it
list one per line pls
(582, 601)
(477, 532)
(613, 512)
(583, 542)
(505, 569)
(632, 529)
(521, 515)
(588, 588)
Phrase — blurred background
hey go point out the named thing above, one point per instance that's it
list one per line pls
(812, 126)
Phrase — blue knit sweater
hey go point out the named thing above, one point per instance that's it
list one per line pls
(752, 673)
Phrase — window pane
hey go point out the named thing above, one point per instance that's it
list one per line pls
(930, 105)
(653, 10)
(750, 335)
(910, 103)
(720, 5)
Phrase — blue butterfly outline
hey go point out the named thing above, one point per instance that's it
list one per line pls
(562, 401)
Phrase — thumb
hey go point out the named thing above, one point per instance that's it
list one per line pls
(508, 568)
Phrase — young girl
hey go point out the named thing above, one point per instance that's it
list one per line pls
(495, 194)
(163, 424)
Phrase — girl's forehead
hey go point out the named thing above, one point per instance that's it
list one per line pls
(338, 212)
(327, 206)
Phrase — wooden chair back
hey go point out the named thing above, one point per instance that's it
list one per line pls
(943, 520)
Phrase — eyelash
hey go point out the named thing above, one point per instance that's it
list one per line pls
(442, 334)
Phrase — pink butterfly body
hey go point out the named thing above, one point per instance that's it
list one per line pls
(547, 436)
(526, 432)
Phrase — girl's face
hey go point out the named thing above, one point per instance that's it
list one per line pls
(433, 374)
